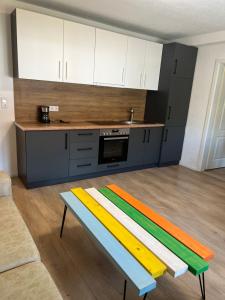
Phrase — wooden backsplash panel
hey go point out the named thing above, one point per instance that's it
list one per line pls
(76, 102)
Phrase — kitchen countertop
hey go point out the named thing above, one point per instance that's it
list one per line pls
(79, 125)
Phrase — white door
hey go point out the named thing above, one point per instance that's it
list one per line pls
(39, 46)
(216, 158)
(135, 63)
(152, 65)
(79, 47)
(110, 58)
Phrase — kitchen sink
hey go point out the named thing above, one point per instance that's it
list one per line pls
(132, 122)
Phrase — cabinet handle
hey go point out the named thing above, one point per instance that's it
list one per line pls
(169, 112)
(66, 69)
(144, 136)
(84, 165)
(66, 141)
(175, 67)
(149, 135)
(113, 166)
(166, 135)
(84, 149)
(145, 80)
(85, 134)
(59, 69)
(141, 79)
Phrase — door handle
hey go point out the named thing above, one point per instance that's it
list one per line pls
(84, 149)
(166, 135)
(144, 136)
(141, 79)
(66, 141)
(84, 165)
(85, 134)
(123, 75)
(169, 113)
(66, 70)
(145, 80)
(149, 131)
(59, 69)
(175, 66)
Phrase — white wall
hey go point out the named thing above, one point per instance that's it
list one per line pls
(200, 105)
(7, 130)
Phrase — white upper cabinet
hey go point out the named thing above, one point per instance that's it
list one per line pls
(153, 58)
(110, 58)
(135, 63)
(39, 46)
(51, 49)
(79, 47)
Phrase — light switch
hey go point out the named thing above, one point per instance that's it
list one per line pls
(4, 103)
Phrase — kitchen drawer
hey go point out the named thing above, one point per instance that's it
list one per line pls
(82, 166)
(83, 136)
(83, 150)
(112, 166)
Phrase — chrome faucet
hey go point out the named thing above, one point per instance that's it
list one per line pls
(131, 115)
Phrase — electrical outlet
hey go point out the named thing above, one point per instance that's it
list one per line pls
(53, 108)
(4, 103)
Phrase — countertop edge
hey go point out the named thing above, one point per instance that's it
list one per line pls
(79, 126)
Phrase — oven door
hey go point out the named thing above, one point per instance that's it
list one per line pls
(113, 149)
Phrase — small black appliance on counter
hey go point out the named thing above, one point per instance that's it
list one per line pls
(44, 114)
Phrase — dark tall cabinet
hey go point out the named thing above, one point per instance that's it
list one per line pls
(170, 103)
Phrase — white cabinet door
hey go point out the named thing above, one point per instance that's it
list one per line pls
(79, 47)
(39, 46)
(110, 58)
(135, 63)
(152, 65)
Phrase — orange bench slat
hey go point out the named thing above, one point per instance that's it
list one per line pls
(172, 229)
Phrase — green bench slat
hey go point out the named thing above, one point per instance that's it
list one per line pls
(196, 265)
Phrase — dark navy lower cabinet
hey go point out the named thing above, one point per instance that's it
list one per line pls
(144, 146)
(50, 157)
(47, 155)
(172, 144)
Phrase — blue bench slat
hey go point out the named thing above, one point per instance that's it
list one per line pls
(127, 263)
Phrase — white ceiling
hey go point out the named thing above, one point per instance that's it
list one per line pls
(167, 19)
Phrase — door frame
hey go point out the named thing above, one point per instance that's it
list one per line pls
(211, 113)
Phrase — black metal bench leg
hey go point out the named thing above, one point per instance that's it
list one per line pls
(202, 284)
(145, 296)
(63, 220)
(124, 289)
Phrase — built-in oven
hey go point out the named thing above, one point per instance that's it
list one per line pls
(113, 145)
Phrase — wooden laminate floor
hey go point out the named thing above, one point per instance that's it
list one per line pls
(194, 201)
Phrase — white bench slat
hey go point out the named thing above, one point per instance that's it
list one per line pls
(175, 265)
(126, 262)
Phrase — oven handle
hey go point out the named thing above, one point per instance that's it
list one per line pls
(115, 138)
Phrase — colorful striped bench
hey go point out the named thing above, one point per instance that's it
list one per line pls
(141, 242)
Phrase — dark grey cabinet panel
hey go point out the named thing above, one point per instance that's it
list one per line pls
(144, 146)
(79, 136)
(170, 104)
(82, 166)
(47, 155)
(178, 61)
(112, 166)
(184, 60)
(178, 101)
(172, 144)
(84, 150)
(171, 101)
(152, 145)
(136, 146)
